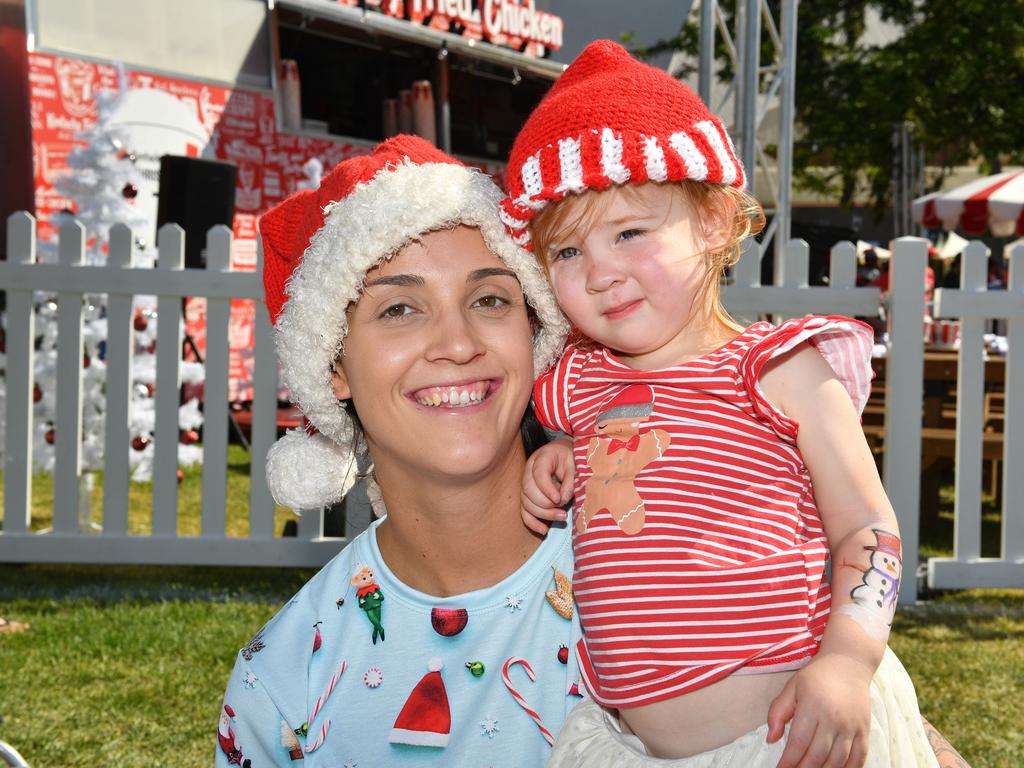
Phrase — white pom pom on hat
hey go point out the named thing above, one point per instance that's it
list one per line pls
(309, 471)
(318, 246)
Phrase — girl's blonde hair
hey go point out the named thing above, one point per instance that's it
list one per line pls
(712, 204)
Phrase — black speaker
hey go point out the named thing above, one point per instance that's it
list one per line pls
(196, 195)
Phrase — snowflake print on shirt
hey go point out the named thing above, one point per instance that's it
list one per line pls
(513, 603)
(489, 727)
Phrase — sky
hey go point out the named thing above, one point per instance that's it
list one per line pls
(587, 20)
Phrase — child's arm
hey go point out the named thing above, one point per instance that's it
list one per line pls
(829, 699)
(547, 484)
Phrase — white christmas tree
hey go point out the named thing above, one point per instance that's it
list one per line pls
(102, 184)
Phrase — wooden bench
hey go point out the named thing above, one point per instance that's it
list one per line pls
(288, 417)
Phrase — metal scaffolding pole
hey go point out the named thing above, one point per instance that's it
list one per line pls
(758, 87)
(707, 50)
(787, 114)
(750, 56)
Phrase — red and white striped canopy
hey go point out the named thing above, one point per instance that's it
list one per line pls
(993, 203)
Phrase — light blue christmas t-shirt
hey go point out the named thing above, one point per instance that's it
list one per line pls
(358, 670)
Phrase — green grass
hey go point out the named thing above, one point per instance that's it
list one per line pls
(125, 666)
(937, 537)
(140, 500)
(965, 653)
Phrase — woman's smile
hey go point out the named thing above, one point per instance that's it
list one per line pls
(456, 395)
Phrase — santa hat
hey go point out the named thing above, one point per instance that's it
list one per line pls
(425, 720)
(634, 402)
(888, 543)
(609, 119)
(318, 246)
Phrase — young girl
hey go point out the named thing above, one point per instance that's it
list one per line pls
(721, 597)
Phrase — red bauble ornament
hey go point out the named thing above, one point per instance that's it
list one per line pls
(141, 322)
(130, 191)
(317, 639)
(563, 654)
(180, 476)
(51, 436)
(189, 436)
(448, 622)
(37, 393)
(139, 442)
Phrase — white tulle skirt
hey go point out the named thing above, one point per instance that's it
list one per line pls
(591, 737)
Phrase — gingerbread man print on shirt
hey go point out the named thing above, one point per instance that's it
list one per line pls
(617, 454)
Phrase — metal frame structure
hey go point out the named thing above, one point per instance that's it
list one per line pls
(755, 89)
(443, 42)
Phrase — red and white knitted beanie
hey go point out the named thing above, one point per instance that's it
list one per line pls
(318, 246)
(611, 119)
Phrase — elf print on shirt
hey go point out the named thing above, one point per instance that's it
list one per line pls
(370, 598)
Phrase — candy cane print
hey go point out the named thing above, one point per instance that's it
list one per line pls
(519, 698)
(310, 748)
(323, 696)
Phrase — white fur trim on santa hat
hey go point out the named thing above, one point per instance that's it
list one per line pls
(371, 224)
(418, 738)
(307, 471)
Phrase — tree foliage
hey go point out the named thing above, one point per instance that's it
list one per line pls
(956, 73)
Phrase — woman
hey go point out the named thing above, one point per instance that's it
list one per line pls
(440, 636)
(403, 649)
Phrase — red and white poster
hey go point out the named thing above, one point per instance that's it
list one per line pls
(164, 115)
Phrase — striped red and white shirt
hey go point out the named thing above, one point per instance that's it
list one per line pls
(728, 571)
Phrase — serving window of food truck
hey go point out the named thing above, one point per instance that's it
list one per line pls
(354, 67)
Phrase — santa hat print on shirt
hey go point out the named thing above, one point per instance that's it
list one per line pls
(426, 719)
(634, 402)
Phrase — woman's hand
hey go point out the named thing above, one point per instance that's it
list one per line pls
(547, 484)
(830, 706)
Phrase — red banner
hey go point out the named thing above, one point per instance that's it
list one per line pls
(163, 115)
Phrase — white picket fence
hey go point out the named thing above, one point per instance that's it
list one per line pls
(120, 279)
(20, 276)
(974, 305)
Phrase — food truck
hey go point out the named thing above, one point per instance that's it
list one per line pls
(278, 88)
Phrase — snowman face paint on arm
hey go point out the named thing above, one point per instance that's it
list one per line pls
(874, 599)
